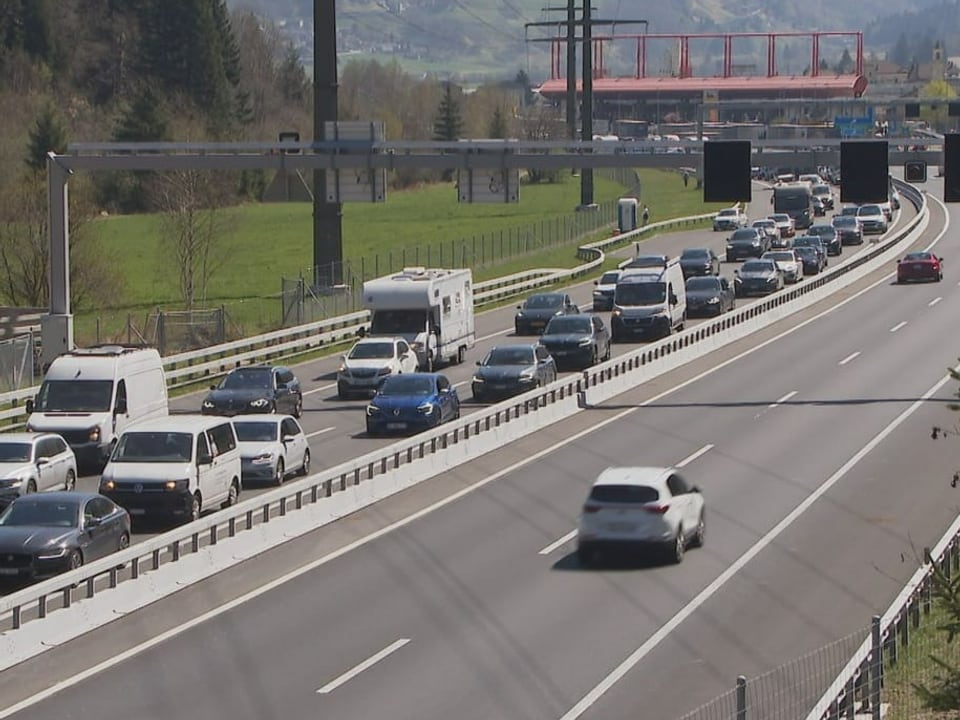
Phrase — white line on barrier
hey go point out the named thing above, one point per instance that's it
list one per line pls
(848, 358)
(783, 399)
(898, 326)
(321, 432)
(600, 689)
(365, 665)
(557, 543)
(693, 456)
(934, 301)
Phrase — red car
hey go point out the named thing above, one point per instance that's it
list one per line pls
(920, 266)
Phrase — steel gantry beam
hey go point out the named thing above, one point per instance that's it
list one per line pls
(57, 328)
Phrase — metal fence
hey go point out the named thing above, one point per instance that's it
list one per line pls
(18, 361)
(174, 331)
(329, 290)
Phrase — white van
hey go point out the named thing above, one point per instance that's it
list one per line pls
(175, 467)
(91, 395)
(649, 302)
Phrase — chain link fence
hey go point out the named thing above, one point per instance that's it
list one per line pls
(787, 692)
(18, 361)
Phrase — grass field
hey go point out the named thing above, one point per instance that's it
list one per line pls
(265, 242)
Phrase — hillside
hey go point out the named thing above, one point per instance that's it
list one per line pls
(486, 39)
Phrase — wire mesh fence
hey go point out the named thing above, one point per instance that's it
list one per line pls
(17, 362)
(787, 692)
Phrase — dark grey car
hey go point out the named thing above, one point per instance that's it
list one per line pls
(758, 277)
(830, 237)
(512, 369)
(538, 309)
(44, 534)
(256, 389)
(745, 243)
(699, 261)
(577, 341)
(707, 296)
(814, 241)
(849, 230)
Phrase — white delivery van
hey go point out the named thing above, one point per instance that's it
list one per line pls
(649, 302)
(91, 395)
(174, 467)
(432, 309)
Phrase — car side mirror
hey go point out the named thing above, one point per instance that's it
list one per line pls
(204, 458)
(213, 387)
(478, 363)
(695, 489)
(361, 332)
(41, 461)
(92, 522)
(736, 272)
(674, 300)
(286, 439)
(29, 406)
(596, 282)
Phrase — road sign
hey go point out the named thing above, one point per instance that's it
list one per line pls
(854, 126)
(356, 184)
(489, 186)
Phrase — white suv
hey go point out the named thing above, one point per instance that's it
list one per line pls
(372, 360)
(641, 507)
(34, 462)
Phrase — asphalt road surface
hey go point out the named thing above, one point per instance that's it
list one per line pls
(810, 441)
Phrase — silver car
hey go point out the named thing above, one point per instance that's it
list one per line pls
(34, 462)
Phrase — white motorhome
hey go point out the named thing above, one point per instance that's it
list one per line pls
(176, 467)
(432, 309)
(91, 395)
(650, 301)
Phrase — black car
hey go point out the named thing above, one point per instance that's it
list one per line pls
(813, 261)
(577, 341)
(512, 369)
(538, 309)
(745, 243)
(830, 237)
(44, 534)
(758, 277)
(849, 230)
(708, 296)
(814, 241)
(255, 389)
(699, 261)
(646, 261)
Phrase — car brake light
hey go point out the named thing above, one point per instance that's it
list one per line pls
(656, 509)
(591, 508)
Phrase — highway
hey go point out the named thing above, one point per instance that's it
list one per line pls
(812, 448)
(336, 428)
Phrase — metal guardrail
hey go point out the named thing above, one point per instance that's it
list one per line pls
(444, 446)
(188, 368)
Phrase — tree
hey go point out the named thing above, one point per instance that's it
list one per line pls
(900, 54)
(47, 134)
(194, 229)
(145, 120)
(937, 116)
(447, 123)
(943, 693)
(845, 66)
(498, 125)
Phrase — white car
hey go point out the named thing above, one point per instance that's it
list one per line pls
(785, 223)
(641, 507)
(271, 447)
(789, 263)
(370, 361)
(730, 219)
(768, 226)
(34, 462)
(604, 290)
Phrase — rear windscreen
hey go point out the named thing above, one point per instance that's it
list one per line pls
(624, 494)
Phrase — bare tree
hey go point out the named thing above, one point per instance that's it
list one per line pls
(194, 228)
(25, 249)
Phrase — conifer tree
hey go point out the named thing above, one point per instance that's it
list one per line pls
(48, 133)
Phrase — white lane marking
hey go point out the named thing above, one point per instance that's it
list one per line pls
(321, 432)
(783, 399)
(693, 456)
(498, 333)
(934, 301)
(461, 383)
(898, 326)
(365, 665)
(557, 543)
(637, 655)
(320, 389)
(848, 358)
(188, 625)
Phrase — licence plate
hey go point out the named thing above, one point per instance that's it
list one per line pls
(396, 426)
(137, 511)
(9, 571)
(621, 527)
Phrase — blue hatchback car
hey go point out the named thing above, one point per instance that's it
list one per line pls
(412, 402)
